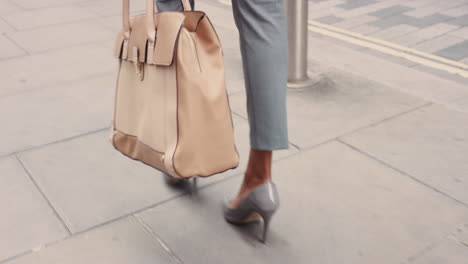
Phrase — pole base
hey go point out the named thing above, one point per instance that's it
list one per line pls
(306, 83)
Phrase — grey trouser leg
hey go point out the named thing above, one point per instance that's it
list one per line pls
(263, 42)
(171, 5)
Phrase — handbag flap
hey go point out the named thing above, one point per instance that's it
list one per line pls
(125, 48)
(169, 25)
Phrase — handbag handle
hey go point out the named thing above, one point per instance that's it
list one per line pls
(151, 8)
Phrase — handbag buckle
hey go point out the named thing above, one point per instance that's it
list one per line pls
(139, 66)
(140, 70)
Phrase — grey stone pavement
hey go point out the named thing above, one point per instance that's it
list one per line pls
(436, 27)
(377, 169)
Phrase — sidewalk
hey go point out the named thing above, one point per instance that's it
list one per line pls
(376, 172)
(436, 27)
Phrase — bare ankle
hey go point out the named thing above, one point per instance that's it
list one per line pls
(252, 180)
(258, 169)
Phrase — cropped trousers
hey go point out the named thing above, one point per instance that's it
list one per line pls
(263, 43)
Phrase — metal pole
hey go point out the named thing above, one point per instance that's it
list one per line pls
(297, 14)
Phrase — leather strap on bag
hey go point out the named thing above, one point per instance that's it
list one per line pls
(151, 8)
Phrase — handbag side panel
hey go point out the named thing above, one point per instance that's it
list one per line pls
(205, 130)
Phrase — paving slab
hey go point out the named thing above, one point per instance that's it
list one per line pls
(365, 29)
(338, 206)
(234, 77)
(417, 4)
(393, 32)
(430, 144)
(56, 67)
(455, 52)
(389, 11)
(451, 4)
(443, 74)
(438, 43)
(109, 7)
(33, 18)
(39, 117)
(330, 19)
(113, 23)
(375, 6)
(7, 7)
(339, 103)
(355, 21)
(449, 251)
(462, 104)
(457, 11)
(233, 71)
(461, 234)
(122, 242)
(313, 65)
(424, 11)
(356, 4)
(9, 48)
(391, 21)
(427, 21)
(395, 75)
(316, 14)
(408, 40)
(320, 5)
(462, 32)
(417, 37)
(37, 4)
(389, 58)
(423, 22)
(460, 21)
(220, 16)
(90, 183)
(434, 30)
(5, 27)
(27, 220)
(62, 36)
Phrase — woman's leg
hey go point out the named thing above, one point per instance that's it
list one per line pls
(258, 172)
(263, 42)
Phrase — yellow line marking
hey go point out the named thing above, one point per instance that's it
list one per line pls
(388, 50)
(225, 2)
(390, 45)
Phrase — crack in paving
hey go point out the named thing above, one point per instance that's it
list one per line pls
(56, 142)
(404, 173)
(44, 196)
(159, 241)
(422, 252)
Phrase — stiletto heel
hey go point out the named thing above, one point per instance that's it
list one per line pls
(266, 224)
(262, 202)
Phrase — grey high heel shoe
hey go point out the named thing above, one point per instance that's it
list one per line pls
(262, 202)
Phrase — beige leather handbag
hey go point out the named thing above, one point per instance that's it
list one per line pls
(171, 106)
